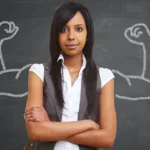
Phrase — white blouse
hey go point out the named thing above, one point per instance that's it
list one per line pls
(71, 95)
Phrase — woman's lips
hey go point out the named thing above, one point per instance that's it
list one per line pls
(72, 46)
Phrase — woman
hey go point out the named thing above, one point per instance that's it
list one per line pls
(71, 44)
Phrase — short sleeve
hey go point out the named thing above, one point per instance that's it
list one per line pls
(105, 75)
(38, 69)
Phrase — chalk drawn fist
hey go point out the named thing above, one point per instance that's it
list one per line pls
(9, 30)
(133, 34)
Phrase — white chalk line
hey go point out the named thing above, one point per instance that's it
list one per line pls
(11, 31)
(103, 23)
(132, 98)
(135, 31)
(13, 95)
(122, 75)
(16, 77)
(23, 68)
(137, 77)
(8, 70)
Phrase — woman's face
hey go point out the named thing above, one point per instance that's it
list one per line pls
(72, 37)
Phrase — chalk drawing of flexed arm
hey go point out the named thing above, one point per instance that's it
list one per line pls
(15, 76)
(133, 35)
(10, 30)
(134, 85)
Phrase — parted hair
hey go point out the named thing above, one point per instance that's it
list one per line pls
(63, 14)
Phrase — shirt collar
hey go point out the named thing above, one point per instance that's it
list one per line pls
(61, 57)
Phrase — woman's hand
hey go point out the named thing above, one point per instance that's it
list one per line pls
(39, 114)
(94, 125)
(36, 114)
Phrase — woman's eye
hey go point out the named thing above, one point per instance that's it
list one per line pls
(64, 29)
(79, 29)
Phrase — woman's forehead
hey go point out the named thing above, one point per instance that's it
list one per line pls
(76, 20)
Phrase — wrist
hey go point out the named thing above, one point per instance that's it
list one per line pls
(88, 124)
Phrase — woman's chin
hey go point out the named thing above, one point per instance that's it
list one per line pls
(72, 53)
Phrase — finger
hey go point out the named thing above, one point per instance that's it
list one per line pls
(38, 109)
(36, 114)
(33, 108)
(31, 115)
(29, 118)
(33, 118)
(41, 108)
(29, 112)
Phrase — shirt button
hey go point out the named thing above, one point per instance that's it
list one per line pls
(31, 144)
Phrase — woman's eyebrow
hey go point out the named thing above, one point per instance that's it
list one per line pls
(79, 25)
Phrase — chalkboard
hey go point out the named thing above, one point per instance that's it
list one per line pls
(122, 37)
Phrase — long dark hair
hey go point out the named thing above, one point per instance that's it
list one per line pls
(62, 16)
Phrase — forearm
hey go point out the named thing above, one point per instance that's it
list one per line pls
(53, 131)
(93, 138)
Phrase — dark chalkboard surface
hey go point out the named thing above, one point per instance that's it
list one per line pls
(122, 37)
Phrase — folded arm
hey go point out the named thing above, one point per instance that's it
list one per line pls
(93, 137)
(46, 130)
(53, 131)
(105, 136)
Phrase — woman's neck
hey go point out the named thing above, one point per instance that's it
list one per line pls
(73, 63)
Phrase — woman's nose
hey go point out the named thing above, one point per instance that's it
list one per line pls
(71, 36)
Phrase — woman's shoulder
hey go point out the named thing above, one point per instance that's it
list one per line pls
(105, 75)
(38, 68)
(105, 71)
